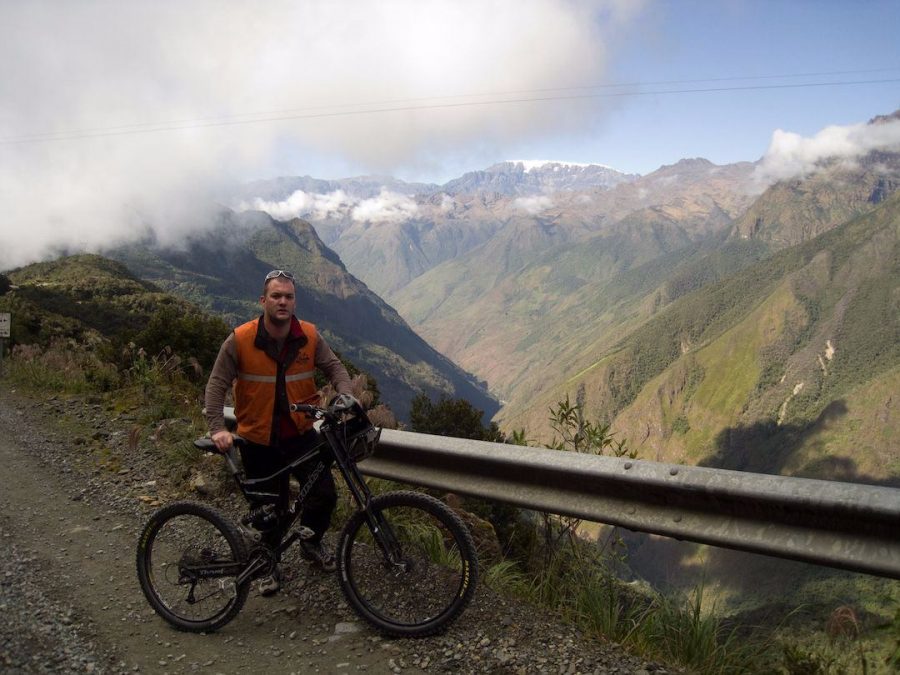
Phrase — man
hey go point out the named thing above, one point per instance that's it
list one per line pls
(271, 362)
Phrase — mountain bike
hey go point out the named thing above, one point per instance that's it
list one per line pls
(405, 562)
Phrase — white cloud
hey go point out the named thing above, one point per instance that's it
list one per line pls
(86, 83)
(791, 155)
(387, 207)
(302, 204)
(533, 205)
(447, 204)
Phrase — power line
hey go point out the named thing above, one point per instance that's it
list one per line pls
(409, 105)
(612, 85)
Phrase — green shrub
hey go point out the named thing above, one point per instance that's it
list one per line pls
(681, 425)
(451, 417)
(196, 335)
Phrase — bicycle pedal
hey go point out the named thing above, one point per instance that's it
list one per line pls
(304, 533)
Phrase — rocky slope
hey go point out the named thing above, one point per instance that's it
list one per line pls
(521, 178)
(794, 211)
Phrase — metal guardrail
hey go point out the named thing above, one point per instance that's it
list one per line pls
(845, 525)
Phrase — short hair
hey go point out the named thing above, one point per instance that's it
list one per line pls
(277, 274)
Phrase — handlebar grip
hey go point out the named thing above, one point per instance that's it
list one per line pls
(230, 455)
(208, 445)
(304, 408)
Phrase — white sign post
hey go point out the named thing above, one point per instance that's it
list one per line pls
(4, 333)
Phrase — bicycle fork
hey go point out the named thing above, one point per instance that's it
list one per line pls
(387, 541)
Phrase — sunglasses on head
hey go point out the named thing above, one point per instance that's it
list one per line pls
(274, 274)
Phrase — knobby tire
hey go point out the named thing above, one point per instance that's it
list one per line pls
(438, 569)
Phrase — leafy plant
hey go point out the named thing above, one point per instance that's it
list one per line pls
(798, 661)
(574, 433)
(451, 417)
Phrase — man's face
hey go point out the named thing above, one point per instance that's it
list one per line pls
(279, 301)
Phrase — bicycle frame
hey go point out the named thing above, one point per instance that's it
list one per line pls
(287, 516)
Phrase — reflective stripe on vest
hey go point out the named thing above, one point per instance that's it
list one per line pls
(271, 378)
(254, 389)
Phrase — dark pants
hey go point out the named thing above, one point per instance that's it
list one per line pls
(263, 460)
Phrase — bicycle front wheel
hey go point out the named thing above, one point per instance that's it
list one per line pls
(188, 559)
(414, 575)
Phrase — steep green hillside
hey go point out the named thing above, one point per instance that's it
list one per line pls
(224, 269)
(530, 305)
(527, 330)
(786, 366)
(92, 300)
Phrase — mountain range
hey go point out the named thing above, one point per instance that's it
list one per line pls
(711, 317)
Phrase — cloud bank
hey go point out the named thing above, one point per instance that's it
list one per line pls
(791, 155)
(387, 207)
(116, 118)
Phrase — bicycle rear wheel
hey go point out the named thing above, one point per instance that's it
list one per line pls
(428, 575)
(188, 559)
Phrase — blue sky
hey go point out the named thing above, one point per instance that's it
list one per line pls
(694, 40)
(699, 40)
(701, 45)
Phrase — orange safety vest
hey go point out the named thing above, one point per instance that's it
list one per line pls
(254, 389)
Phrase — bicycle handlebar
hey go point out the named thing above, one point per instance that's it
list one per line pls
(340, 404)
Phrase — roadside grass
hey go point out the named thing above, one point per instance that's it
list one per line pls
(688, 629)
(583, 586)
(160, 390)
(681, 628)
(61, 368)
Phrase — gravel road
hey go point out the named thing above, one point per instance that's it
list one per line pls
(73, 498)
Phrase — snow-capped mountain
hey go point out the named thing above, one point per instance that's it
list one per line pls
(536, 177)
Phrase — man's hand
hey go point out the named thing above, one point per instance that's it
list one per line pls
(223, 440)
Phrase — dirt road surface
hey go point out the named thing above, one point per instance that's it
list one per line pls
(70, 600)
